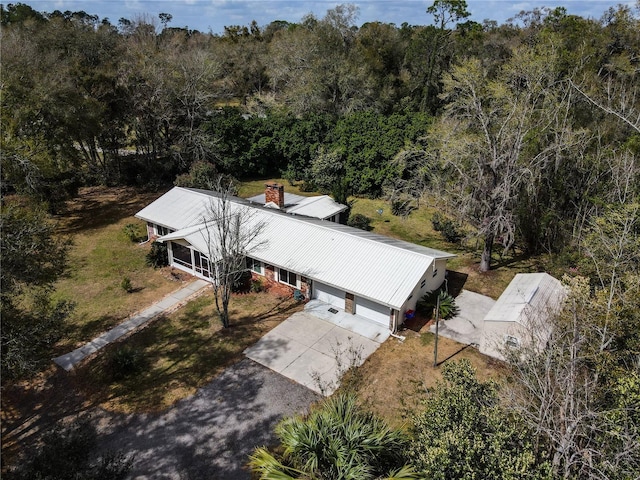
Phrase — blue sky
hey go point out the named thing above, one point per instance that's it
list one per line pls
(213, 15)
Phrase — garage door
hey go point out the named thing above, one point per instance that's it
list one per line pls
(328, 294)
(373, 311)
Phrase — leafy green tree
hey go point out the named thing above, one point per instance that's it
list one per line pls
(464, 433)
(32, 259)
(337, 440)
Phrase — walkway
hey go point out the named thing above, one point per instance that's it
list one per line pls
(466, 327)
(168, 303)
(315, 347)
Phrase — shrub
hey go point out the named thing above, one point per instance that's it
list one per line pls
(125, 362)
(158, 256)
(448, 307)
(133, 233)
(402, 208)
(449, 229)
(126, 285)
(257, 285)
(242, 283)
(360, 221)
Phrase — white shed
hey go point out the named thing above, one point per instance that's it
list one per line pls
(521, 315)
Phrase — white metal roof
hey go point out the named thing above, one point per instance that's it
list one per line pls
(319, 206)
(178, 208)
(322, 206)
(380, 268)
(528, 293)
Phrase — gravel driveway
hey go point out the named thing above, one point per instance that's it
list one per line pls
(209, 435)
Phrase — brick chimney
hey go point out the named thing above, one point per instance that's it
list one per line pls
(274, 192)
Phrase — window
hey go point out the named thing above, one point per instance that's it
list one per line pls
(160, 230)
(288, 277)
(423, 283)
(435, 272)
(181, 254)
(201, 264)
(511, 341)
(255, 265)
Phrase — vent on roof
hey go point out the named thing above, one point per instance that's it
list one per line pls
(333, 310)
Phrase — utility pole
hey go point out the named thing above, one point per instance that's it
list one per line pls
(435, 350)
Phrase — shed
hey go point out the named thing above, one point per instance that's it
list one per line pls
(521, 316)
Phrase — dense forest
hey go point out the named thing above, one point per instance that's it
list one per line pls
(525, 133)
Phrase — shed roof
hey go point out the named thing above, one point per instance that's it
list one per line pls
(527, 294)
(380, 268)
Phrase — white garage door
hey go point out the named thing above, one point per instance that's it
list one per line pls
(328, 294)
(373, 311)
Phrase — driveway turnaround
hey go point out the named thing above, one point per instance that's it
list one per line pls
(466, 327)
(314, 351)
(211, 434)
(167, 304)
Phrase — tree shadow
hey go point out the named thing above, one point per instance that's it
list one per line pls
(455, 282)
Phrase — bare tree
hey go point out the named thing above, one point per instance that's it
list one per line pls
(570, 394)
(498, 135)
(230, 231)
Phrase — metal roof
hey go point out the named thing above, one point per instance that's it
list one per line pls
(380, 268)
(528, 293)
(319, 206)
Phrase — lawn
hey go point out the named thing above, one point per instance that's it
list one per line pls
(417, 228)
(177, 354)
(100, 257)
(392, 381)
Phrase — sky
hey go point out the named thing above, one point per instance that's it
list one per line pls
(213, 15)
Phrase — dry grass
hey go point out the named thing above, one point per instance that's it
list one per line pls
(392, 381)
(256, 187)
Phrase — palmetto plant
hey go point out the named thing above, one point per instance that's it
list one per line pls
(338, 441)
(448, 307)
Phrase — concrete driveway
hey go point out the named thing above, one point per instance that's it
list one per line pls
(211, 434)
(466, 327)
(316, 346)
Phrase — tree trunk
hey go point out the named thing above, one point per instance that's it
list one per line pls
(485, 260)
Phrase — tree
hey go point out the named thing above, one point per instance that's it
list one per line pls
(570, 393)
(32, 259)
(337, 440)
(230, 231)
(464, 433)
(497, 135)
(70, 452)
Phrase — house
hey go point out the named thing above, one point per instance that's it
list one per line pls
(320, 206)
(373, 276)
(520, 317)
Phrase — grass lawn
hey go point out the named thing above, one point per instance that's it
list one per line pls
(181, 352)
(256, 187)
(101, 256)
(417, 228)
